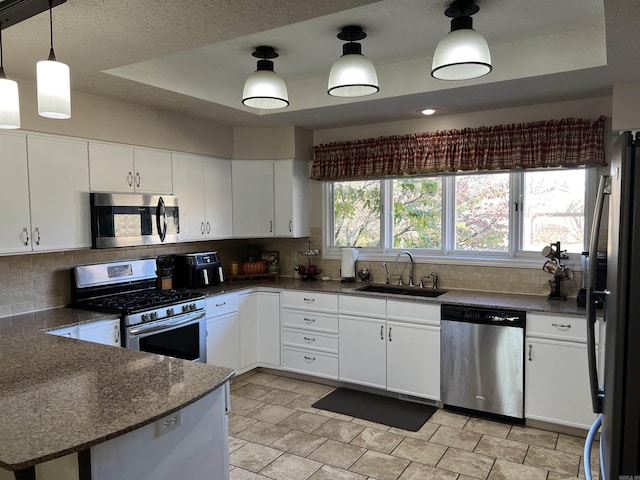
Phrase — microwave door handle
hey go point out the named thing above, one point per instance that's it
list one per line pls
(161, 219)
(597, 394)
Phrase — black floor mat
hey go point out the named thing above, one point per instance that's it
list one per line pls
(377, 408)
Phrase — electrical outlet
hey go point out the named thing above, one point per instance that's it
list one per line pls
(168, 423)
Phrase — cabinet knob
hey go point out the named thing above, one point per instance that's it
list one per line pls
(530, 348)
(130, 179)
(309, 359)
(25, 230)
(561, 325)
(381, 332)
(138, 179)
(36, 234)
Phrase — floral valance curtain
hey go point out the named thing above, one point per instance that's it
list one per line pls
(551, 143)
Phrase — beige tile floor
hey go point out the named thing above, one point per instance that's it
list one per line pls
(274, 433)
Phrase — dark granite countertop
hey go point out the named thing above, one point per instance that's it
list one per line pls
(60, 395)
(530, 303)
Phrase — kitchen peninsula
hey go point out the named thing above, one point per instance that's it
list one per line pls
(59, 396)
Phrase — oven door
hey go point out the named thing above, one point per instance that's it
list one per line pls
(182, 336)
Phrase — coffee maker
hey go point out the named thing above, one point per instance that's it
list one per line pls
(196, 270)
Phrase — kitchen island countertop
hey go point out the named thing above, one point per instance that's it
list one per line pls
(60, 395)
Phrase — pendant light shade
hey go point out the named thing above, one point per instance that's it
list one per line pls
(265, 89)
(54, 86)
(353, 74)
(463, 53)
(9, 97)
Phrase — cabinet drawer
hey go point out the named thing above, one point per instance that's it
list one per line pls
(310, 320)
(308, 339)
(312, 362)
(560, 327)
(319, 302)
(362, 307)
(222, 304)
(415, 312)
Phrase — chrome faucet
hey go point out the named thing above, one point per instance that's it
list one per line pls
(412, 265)
(386, 271)
(435, 280)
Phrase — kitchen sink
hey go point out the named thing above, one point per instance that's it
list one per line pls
(401, 290)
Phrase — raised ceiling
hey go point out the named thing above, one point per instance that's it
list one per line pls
(192, 56)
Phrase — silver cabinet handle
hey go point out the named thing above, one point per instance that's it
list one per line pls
(530, 348)
(138, 179)
(309, 359)
(309, 339)
(221, 304)
(309, 320)
(116, 334)
(208, 228)
(202, 228)
(561, 325)
(130, 179)
(381, 332)
(389, 333)
(25, 230)
(270, 226)
(309, 300)
(290, 226)
(36, 234)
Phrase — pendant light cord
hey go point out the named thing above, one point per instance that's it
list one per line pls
(52, 56)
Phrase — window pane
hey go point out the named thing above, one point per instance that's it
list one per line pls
(482, 212)
(356, 214)
(417, 213)
(554, 209)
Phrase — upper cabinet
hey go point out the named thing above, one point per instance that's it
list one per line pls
(270, 198)
(203, 187)
(122, 168)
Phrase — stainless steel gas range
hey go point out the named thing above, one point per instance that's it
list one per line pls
(167, 322)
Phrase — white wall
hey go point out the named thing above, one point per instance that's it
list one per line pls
(626, 107)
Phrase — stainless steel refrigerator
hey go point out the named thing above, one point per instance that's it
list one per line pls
(617, 396)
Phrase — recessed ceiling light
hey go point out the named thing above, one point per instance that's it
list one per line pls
(428, 111)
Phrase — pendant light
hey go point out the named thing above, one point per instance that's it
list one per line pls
(265, 89)
(463, 53)
(54, 89)
(353, 74)
(9, 98)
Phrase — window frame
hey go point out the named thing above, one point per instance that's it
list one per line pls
(513, 257)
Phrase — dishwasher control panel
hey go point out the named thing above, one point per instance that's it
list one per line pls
(494, 316)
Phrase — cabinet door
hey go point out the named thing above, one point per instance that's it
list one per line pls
(69, 332)
(249, 310)
(269, 328)
(106, 332)
(291, 198)
(413, 360)
(110, 168)
(557, 383)
(59, 191)
(223, 340)
(363, 357)
(15, 228)
(252, 183)
(188, 186)
(218, 198)
(152, 171)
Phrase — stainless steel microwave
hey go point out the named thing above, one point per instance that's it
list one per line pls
(130, 219)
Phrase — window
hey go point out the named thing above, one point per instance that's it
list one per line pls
(483, 214)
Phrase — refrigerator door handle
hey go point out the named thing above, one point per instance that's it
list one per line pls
(597, 394)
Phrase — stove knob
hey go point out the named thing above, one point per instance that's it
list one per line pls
(153, 315)
(185, 308)
(145, 317)
(170, 312)
(192, 307)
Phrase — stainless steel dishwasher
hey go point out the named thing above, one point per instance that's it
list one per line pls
(482, 360)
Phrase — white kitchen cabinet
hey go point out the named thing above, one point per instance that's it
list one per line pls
(106, 332)
(127, 169)
(15, 228)
(556, 373)
(59, 193)
(203, 187)
(69, 332)
(223, 330)
(310, 333)
(363, 339)
(259, 330)
(270, 198)
(413, 349)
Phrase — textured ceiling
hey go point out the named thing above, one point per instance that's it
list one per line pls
(192, 56)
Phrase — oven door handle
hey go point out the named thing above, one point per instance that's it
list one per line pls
(165, 325)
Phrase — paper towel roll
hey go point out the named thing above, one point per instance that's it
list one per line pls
(348, 265)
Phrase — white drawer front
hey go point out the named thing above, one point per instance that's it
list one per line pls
(222, 304)
(309, 361)
(558, 327)
(307, 339)
(416, 312)
(310, 320)
(362, 306)
(320, 302)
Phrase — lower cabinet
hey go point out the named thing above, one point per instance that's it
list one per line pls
(556, 372)
(259, 330)
(223, 331)
(363, 351)
(106, 332)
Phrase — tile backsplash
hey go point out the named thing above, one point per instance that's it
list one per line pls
(40, 281)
